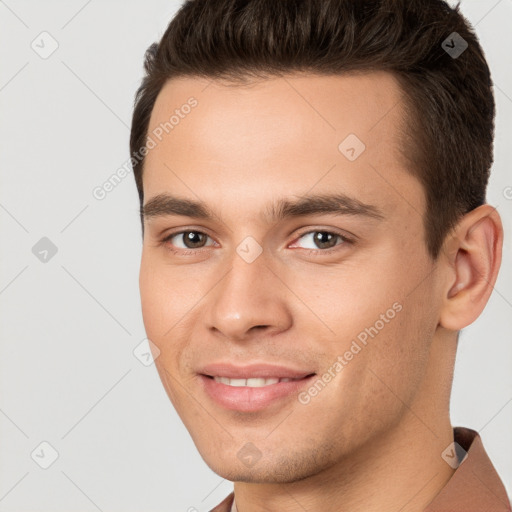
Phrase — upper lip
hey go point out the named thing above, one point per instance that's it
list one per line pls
(253, 371)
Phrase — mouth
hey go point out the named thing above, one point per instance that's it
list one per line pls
(253, 382)
(252, 389)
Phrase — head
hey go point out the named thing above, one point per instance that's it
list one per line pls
(312, 180)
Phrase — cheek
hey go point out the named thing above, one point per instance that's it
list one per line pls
(152, 301)
(162, 300)
(398, 358)
(385, 354)
(159, 316)
(158, 313)
(165, 312)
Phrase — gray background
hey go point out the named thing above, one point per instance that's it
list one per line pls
(69, 325)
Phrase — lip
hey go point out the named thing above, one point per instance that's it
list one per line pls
(263, 371)
(248, 399)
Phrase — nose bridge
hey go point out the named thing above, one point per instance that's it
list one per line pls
(247, 296)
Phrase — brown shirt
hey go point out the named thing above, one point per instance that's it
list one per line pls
(474, 487)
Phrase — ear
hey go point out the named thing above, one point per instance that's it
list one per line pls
(473, 251)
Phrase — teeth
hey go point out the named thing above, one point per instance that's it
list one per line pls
(236, 382)
(251, 383)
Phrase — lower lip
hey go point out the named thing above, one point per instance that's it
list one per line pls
(247, 399)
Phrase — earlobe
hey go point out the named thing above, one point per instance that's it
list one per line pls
(477, 243)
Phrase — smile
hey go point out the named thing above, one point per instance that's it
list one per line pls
(251, 382)
(253, 394)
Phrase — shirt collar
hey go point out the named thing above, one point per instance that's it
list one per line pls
(474, 486)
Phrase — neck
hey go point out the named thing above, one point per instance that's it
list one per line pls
(401, 471)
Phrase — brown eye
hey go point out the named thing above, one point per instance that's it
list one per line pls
(322, 240)
(193, 239)
(187, 239)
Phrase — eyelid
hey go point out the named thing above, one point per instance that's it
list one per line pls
(351, 240)
(345, 238)
(165, 239)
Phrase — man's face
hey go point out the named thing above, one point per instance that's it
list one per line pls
(302, 291)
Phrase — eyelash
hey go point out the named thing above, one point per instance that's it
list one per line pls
(344, 241)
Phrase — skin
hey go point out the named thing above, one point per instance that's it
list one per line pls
(372, 438)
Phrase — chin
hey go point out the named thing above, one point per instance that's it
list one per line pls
(267, 471)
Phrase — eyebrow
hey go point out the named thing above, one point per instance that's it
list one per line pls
(333, 204)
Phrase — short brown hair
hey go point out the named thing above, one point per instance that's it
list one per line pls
(449, 101)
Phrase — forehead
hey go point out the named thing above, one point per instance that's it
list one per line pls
(279, 136)
(292, 107)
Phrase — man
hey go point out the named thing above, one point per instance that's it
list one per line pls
(312, 181)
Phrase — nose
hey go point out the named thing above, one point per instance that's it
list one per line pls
(249, 301)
